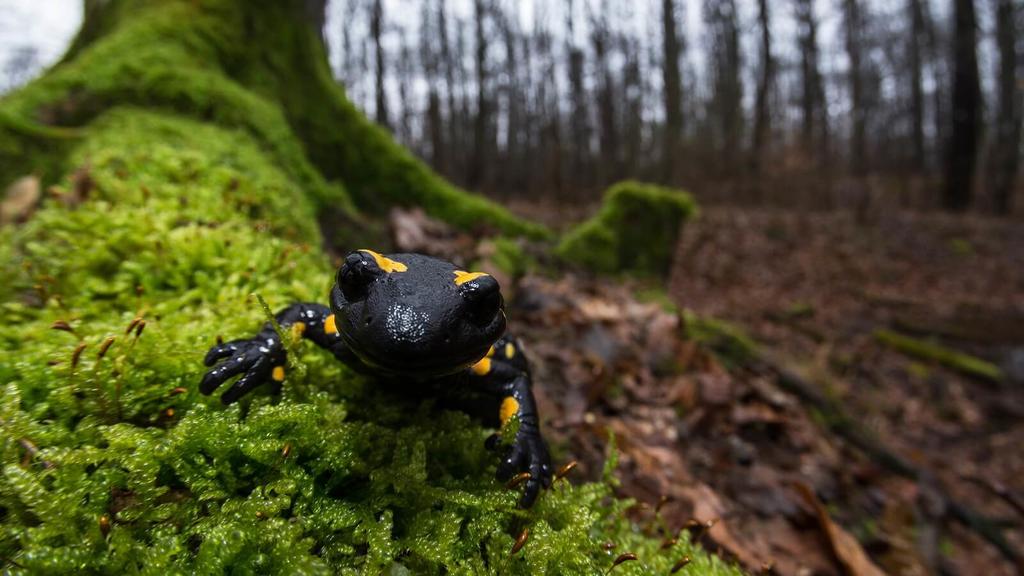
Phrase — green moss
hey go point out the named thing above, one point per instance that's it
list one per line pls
(931, 352)
(510, 257)
(635, 230)
(185, 221)
(729, 341)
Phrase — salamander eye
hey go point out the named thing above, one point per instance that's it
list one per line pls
(483, 299)
(356, 274)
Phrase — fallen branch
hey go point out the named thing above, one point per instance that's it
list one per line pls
(929, 351)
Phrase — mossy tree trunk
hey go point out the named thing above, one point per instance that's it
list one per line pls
(261, 66)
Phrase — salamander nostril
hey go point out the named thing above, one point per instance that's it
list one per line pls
(356, 274)
(483, 299)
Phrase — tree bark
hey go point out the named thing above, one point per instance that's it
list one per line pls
(478, 171)
(916, 64)
(963, 145)
(853, 20)
(812, 92)
(765, 84)
(721, 18)
(376, 31)
(1006, 153)
(673, 91)
(608, 170)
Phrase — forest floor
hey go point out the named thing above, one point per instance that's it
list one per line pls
(819, 448)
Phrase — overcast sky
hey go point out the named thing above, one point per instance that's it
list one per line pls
(45, 25)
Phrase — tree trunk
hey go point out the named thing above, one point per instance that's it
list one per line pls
(812, 102)
(765, 83)
(608, 168)
(726, 106)
(376, 31)
(963, 145)
(916, 63)
(1006, 153)
(673, 91)
(853, 19)
(478, 171)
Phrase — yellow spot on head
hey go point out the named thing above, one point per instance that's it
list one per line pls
(490, 351)
(386, 264)
(482, 368)
(509, 408)
(510, 350)
(461, 276)
(330, 326)
(278, 373)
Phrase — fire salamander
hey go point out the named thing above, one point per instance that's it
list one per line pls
(409, 318)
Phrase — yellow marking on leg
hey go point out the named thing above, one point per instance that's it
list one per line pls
(278, 373)
(509, 408)
(461, 276)
(386, 264)
(298, 329)
(490, 351)
(510, 350)
(330, 326)
(482, 368)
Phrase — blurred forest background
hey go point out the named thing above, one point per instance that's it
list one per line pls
(860, 104)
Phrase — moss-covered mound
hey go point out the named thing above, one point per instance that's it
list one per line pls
(635, 230)
(113, 463)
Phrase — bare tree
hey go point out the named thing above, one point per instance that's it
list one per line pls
(915, 56)
(963, 146)
(601, 39)
(814, 118)
(765, 84)
(672, 51)
(1006, 153)
(854, 26)
(579, 125)
(376, 31)
(478, 169)
(633, 106)
(431, 59)
(514, 102)
(406, 71)
(724, 54)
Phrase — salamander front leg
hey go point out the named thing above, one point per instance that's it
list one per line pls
(504, 374)
(261, 359)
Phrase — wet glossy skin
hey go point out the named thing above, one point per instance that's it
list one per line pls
(408, 317)
(418, 322)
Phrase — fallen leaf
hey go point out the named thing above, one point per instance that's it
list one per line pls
(848, 551)
(20, 200)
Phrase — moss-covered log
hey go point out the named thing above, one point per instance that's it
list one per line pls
(187, 178)
(932, 352)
